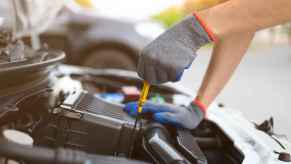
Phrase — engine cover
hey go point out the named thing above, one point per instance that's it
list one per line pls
(92, 121)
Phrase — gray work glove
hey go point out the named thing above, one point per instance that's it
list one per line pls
(178, 116)
(165, 58)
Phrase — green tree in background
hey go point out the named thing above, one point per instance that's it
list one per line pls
(170, 16)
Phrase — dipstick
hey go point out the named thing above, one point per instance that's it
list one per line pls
(141, 101)
(143, 96)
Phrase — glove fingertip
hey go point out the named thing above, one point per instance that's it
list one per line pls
(179, 76)
(130, 107)
(140, 68)
(190, 62)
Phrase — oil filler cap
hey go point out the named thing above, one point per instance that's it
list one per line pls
(17, 137)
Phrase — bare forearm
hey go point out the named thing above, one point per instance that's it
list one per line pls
(226, 56)
(246, 15)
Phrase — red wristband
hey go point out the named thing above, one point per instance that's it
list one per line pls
(206, 28)
(201, 106)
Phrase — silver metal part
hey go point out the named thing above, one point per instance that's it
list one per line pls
(18, 137)
(72, 99)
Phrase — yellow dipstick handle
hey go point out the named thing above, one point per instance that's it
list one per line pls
(143, 96)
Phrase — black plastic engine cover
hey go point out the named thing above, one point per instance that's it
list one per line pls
(91, 124)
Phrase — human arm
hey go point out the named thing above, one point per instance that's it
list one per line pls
(234, 24)
(165, 58)
(226, 56)
(246, 15)
(235, 36)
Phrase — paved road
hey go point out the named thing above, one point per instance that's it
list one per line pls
(260, 88)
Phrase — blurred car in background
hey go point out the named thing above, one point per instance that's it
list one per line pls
(94, 40)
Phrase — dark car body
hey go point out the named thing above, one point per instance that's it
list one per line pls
(94, 41)
(89, 39)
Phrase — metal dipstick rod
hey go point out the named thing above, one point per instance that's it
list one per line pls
(141, 101)
(143, 96)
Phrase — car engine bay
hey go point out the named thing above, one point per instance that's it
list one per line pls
(62, 114)
(52, 113)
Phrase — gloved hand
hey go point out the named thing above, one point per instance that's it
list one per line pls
(165, 58)
(178, 116)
